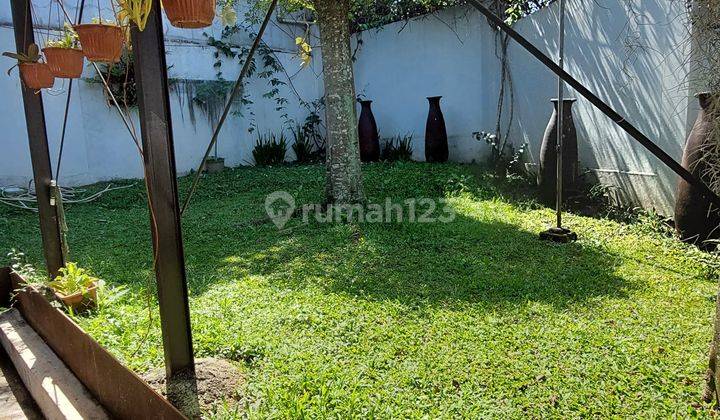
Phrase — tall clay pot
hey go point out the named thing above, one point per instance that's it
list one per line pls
(368, 133)
(436, 139)
(547, 175)
(696, 220)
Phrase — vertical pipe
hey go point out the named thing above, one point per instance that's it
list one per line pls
(159, 160)
(561, 116)
(39, 151)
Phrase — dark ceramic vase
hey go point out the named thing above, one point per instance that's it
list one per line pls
(547, 175)
(368, 133)
(696, 220)
(436, 139)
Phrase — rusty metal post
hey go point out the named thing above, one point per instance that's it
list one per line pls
(159, 159)
(39, 152)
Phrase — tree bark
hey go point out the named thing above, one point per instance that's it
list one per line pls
(344, 176)
(711, 376)
(705, 76)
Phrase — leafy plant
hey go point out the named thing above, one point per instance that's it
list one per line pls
(121, 79)
(101, 21)
(270, 150)
(73, 279)
(398, 149)
(226, 12)
(136, 11)
(68, 40)
(307, 148)
(31, 56)
(504, 157)
(19, 264)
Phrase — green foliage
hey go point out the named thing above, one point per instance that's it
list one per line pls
(270, 149)
(120, 77)
(472, 319)
(309, 145)
(398, 149)
(31, 56)
(20, 265)
(504, 158)
(68, 39)
(73, 279)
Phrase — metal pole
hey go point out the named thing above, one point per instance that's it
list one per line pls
(233, 93)
(67, 105)
(561, 121)
(598, 103)
(39, 152)
(159, 159)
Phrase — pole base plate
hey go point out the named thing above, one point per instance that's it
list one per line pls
(559, 235)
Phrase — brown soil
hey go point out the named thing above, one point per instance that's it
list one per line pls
(216, 381)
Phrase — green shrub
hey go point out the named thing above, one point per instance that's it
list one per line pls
(304, 147)
(398, 149)
(270, 150)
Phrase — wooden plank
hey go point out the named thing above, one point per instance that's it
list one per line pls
(39, 152)
(159, 154)
(55, 389)
(122, 393)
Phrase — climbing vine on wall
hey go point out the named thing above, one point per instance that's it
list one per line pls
(270, 70)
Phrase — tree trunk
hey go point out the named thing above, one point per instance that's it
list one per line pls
(344, 177)
(705, 76)
(711, 376)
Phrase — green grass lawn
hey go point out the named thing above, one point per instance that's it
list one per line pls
(474, 318)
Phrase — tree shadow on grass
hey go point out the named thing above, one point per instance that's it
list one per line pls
(465, 261)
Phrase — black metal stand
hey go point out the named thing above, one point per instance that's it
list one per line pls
(559, 235)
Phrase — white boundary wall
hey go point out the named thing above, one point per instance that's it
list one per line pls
(636, 62)
(99, 148)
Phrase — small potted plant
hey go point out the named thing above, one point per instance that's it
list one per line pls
(190, 14)
(75, 287)
(64, 55)
(102, 41)
(33, 73)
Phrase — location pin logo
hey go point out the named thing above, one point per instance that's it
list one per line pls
(280, 207)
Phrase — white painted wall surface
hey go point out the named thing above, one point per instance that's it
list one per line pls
(454, 54)
(99, 148)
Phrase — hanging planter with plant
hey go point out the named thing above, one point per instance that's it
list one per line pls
(64, 55)
(190, 14)
(102, 41)
(34, 74)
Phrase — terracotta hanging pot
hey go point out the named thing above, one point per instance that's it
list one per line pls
(696, 220)
(36, 76)
(368, 133)
(436, 139)
(547, 175)
(190, 14)
(64, 62)
(101, 43)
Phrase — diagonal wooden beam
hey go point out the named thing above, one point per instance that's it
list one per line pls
(598, 103)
